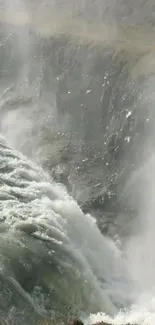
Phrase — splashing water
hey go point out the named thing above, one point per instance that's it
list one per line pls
(45, 235)
(77, 94)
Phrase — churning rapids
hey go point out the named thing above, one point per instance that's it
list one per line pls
(77, 164)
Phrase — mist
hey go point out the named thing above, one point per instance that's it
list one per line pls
(77, 97)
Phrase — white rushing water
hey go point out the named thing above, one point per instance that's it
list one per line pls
(32, 203)
(52, 254)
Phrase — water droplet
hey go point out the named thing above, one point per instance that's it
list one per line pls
(128, 114)
(127, 139)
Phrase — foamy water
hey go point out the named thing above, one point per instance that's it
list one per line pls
(92, 272)
(54, 261)
(33, 206)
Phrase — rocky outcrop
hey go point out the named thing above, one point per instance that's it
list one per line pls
(77, 321)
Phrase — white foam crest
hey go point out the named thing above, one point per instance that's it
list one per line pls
(140, 315)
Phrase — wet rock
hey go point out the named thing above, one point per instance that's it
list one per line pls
(76, 321)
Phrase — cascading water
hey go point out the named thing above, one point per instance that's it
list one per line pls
(64, 260)
(77, 159)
